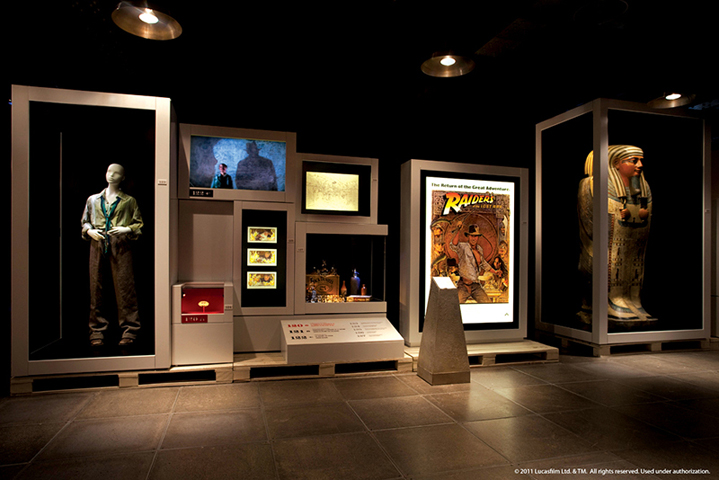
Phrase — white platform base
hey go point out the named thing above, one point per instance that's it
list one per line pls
(203, 343)
(365, 338)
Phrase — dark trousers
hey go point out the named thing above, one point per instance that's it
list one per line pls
(118, 261)
(467, 290)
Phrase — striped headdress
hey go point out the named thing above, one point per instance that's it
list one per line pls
(617, 153)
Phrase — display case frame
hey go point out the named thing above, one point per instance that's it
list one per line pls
(163, 246)
(202, 338)
(598, 113)
(336, 164)
(285, 255)
(307, 228)
(413, 174)
(187, 191)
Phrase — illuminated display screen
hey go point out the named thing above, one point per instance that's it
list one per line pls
(332, 191)
(336, 188)
(237, 163)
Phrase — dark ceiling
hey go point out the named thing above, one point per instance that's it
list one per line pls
(354, 65)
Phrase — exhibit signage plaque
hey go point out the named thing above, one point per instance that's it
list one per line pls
(323, 331)
(340, 340)
(194, 319)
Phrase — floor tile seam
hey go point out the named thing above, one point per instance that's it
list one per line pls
(273, 441)
(544, 417)
(463, 426)
(382, 396)
(467, 391)
(450, 419)
(83, 402)
(655, 371)
(598, 403)
(163, 435)
(407, 384)
(59, 432)
(120, 417)
(268, 435)
(555, 411)
(617, 458)
(679, 377)
(678, 404)
(357, 415)
(697, 442)
(228, 443)
(530, 410)
(660, 428)
(658, 445)
(388, 456)
(215, 411)
(86, 456)
(655, 427)
(479, 469)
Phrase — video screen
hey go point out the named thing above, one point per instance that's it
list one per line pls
(237, 163)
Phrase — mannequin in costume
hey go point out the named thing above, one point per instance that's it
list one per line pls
(111, 222)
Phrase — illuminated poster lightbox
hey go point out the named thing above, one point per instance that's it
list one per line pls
(469, 228)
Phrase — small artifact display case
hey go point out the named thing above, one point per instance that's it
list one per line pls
(202, 323)
(342, 268)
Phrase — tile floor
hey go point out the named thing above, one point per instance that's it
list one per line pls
(616, 416)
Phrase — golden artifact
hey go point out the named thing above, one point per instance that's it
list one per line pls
(630, 211)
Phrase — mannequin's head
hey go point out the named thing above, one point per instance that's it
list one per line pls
(115, 174)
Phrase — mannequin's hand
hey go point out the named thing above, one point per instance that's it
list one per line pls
(119, 230)
(95, 234)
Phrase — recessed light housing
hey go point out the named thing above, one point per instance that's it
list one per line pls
(447, 64)
(145, 20)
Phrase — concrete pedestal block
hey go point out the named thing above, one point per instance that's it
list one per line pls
(443, 351)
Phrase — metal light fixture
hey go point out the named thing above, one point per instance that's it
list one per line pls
(447, 64)
(671, 100)
(144, 20)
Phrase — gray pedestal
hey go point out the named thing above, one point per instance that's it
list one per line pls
(443, 351)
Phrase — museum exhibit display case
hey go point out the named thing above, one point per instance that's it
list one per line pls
(202, 323)
(646, 174)
(467, 222)
(66, 147)
(340, 268)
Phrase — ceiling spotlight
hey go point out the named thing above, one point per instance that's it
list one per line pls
(448, 61)
(447, 64)
(149, 17)
(146, 21)
(671, 100)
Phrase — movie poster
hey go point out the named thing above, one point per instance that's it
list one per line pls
(468, 238)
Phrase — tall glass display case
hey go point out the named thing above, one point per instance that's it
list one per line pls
(623, 226)
(69, 147)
